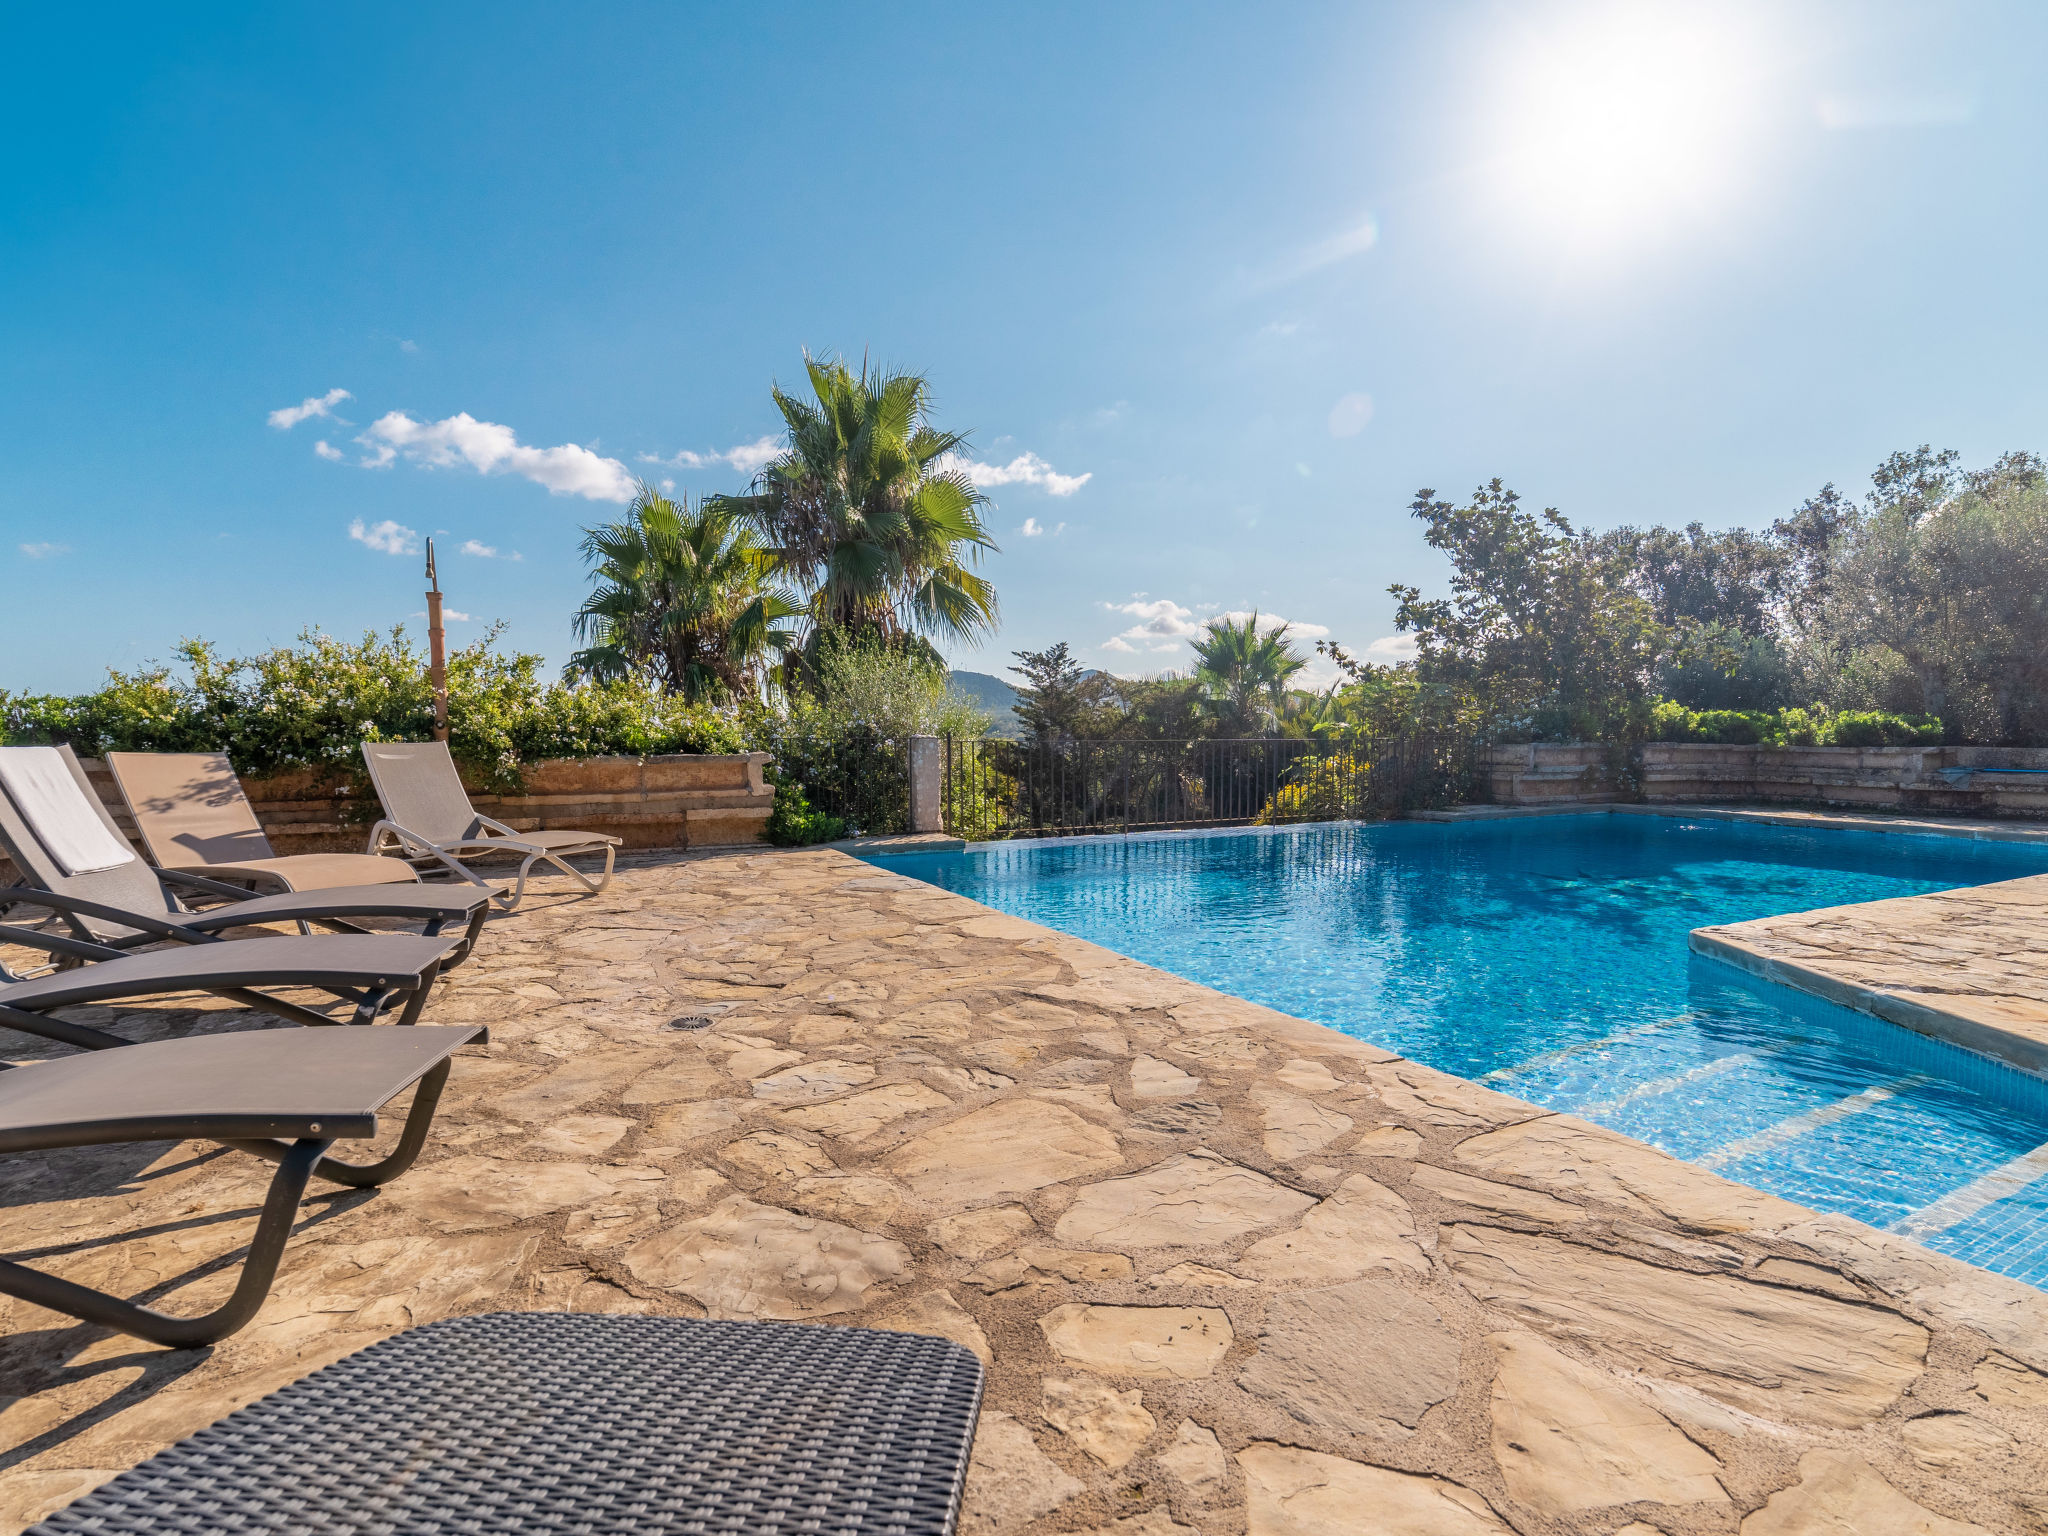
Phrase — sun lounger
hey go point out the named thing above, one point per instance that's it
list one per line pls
(372, 973)
(605, 1425)
(191, 815)
(284, 1095)
(428, 819)
(77, 864)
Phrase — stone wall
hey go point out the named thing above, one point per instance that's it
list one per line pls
(678, 801)
(1953, 781)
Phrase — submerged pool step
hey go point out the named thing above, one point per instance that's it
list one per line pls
(1796, 1126)
(1580, 1047)
(1656, 1087)
(1959, 1205)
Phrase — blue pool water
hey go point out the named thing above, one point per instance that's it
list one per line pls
(1547, 957)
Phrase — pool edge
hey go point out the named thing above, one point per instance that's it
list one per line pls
(2008, 1046)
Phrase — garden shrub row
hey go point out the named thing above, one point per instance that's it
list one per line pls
(310, 705)
(1792, 727)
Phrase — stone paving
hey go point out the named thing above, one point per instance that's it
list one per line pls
(1231, 1271)
(1967, 965)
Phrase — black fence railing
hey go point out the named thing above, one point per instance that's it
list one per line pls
(997, 789)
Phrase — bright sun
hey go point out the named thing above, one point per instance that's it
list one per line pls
(1624, 121)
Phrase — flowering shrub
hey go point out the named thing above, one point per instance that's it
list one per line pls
(310, 705)
(1320, 788)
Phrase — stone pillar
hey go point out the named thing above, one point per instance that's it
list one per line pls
(926, 814)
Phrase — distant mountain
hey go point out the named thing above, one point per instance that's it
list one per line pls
(995, 696)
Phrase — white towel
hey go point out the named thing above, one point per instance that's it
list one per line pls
(39, 782)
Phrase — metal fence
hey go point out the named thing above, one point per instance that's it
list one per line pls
(996, 789)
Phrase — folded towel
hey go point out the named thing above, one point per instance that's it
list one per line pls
(39, 782)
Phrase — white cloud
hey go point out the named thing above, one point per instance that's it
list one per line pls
(285, 417)
(386, 538)
(327, 450)
(1279, 328)
(480, 549)
(1940, 109)
(456, 614)
(1025, 469)
(1268, 622)
(746, 458)
(1033, 528)
(1303, 470)
(1164, 625)
(1350, 414)
(489, 448)
(409, 348)
(44, 551)
(1389, 650)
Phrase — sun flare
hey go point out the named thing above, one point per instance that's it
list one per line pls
(1629, 117)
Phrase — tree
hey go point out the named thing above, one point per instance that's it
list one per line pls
(1246, 672)
(1944, 579)
(681, 596)
(1807, 539)
(1540, 624)
(1695, 577)
(868, 513)
(1061, 699)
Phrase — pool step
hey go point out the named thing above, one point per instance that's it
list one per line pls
(1959, 1205)
(1796, 1126)
(1566, 1052)
(1719, 1066)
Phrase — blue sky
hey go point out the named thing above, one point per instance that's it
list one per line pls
(1216, 287)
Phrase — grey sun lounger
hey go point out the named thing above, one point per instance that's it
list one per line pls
(371, 973)
(428, 819)
(602, 1425)
(192, 816)
(284, 1095)
(84, 870)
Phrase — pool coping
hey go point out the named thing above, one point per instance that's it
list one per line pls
(2013, 1047)
(1834, 821)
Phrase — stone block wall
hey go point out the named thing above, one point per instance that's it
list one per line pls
(1953, 781)
(678, 801)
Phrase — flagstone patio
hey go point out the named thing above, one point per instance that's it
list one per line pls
(1230, 1271)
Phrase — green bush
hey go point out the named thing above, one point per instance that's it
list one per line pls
(844, 738)
(793, 824)
(310, 706)
(1872, 728)
(1670, 721)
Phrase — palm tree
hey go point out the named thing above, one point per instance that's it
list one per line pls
(868, 512)
(1246, 673)
(681, 595)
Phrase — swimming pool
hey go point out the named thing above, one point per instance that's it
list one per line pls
(1547, 957)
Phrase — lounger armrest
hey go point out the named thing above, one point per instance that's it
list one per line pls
(204, 886)
(495, 826)
(17, 895)
(57, 943)
(410, 844)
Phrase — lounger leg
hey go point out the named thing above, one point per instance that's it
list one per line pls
(280, 1210)
(590, 885)
(81, 1035)
(474, 932)
(418, 1120)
